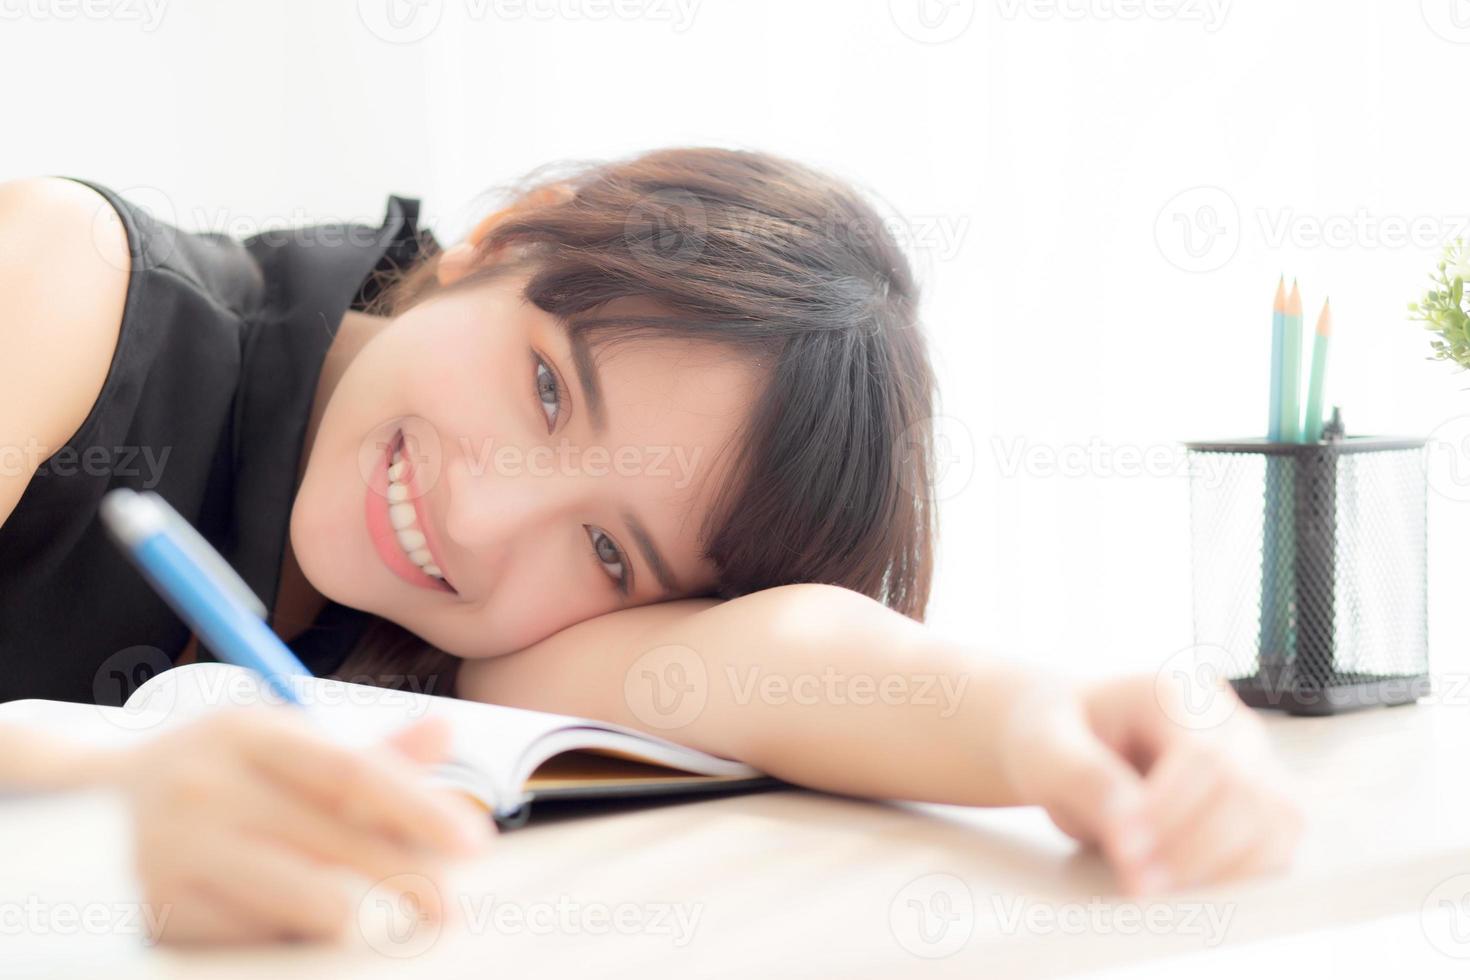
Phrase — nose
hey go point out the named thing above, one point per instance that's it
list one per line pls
(498, 500)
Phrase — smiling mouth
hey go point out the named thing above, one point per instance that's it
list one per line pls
(397, 521)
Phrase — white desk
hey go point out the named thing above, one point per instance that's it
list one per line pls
(800, 884)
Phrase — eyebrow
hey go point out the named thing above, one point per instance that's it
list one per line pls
(651, 554)
(589, 379)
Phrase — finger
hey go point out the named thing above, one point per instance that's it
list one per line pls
(267, 811)
(383, 791)
(1222, 831)
(282, 893)
(1269, 854)
(1089, 787)
(1184, 778)
(196, 917)
(425, 741)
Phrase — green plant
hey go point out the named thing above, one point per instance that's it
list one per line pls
(1443, 307)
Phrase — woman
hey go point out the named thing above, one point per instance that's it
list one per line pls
(660, 426)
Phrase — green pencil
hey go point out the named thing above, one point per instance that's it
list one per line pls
(1312, 426)
(1291, 369)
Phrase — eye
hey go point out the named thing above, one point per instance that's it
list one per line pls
(609, 556)
(548, 392)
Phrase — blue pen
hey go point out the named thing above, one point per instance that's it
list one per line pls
(200, 586)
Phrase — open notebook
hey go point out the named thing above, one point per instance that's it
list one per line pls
(505, 758)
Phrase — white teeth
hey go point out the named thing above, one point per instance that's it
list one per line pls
(403, 518)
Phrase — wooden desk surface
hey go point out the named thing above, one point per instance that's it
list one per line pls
(800, 884)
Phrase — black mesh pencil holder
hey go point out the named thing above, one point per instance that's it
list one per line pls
(1309, 570)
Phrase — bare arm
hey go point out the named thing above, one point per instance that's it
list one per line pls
(64, 268)
(814, 684)
(826, 688)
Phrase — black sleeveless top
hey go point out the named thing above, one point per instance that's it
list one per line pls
(206, 403)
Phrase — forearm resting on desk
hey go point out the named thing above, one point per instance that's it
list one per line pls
(828, 689)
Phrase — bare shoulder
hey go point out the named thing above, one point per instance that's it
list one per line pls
(64, 267)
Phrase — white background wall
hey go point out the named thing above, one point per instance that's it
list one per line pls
(1038, 151)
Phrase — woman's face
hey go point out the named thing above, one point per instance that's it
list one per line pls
(537, 488)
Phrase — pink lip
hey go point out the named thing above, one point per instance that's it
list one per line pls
(380, 527)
